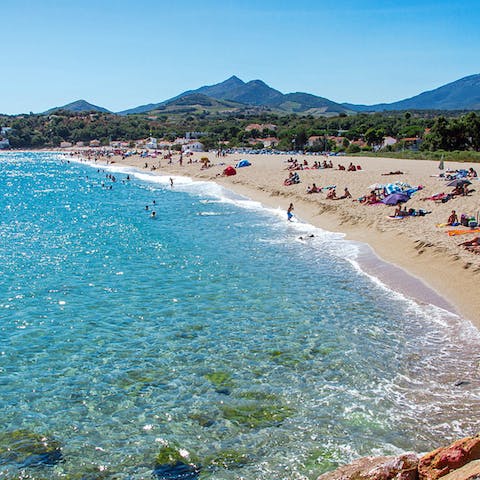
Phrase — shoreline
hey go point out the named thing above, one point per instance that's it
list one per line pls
(449, 272)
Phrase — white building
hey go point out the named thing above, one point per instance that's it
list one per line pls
(192, 147)
(4, 143)
(389, 141)
(152, 143)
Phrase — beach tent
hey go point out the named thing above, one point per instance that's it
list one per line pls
(243, 163)
(395, 198)
(229, 171)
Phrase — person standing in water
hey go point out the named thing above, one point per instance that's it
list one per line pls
(171, 182)
(290, 212)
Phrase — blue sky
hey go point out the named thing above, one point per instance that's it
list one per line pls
(123, 53)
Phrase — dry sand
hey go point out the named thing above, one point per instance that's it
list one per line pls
(415, 244)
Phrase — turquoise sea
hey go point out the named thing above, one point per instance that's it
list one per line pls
(212, 332)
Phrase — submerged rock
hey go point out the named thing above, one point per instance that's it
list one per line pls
(174, 463)
(402, 467)
(176, 471)
(255, 415)
(39, 459)
(220, 379)
(228, 459)
(443, 460)
(29, 449)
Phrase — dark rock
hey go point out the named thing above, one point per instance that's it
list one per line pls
(28, 449)
(176, 471)
(223, 391)
(40, 459)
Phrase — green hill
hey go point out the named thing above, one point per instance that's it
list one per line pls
(78, 106)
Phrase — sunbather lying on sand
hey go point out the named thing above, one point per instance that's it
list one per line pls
(439, 197)
(474, 242)
(398, 172)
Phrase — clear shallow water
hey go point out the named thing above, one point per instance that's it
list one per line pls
(212, 328)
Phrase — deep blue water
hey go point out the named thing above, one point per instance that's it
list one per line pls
(211, 328)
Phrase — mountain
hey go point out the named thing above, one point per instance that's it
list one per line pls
(219, 90)
(196, 103)
(307, 104)
(78, 106)
(253, 93)
(234, 94)
(463, 94)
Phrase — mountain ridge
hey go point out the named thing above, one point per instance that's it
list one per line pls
(461, 94)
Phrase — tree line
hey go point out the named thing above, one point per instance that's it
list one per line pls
(449, 131)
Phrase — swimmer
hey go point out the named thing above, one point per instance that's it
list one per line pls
(146, 207)
(308, 236)
(154, 215)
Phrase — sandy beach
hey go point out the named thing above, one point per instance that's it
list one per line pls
(416, 244)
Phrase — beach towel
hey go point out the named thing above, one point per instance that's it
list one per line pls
(391, 188)
(452, 233)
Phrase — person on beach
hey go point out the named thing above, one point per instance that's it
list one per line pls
(332, 194)
(290, 212)
(474, 242)
(171, 182)
(452, 219)
(346, 194)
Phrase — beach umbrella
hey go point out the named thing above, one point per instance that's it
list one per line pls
(395, 198)
(229, 171)
(458, 182)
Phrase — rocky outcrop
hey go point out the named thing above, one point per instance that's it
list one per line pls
(470, 471)
(402, 467)
(443, 460)
(458, 461)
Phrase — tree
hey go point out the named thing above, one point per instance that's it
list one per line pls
(374, 136)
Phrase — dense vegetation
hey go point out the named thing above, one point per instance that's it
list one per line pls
(455, 132)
